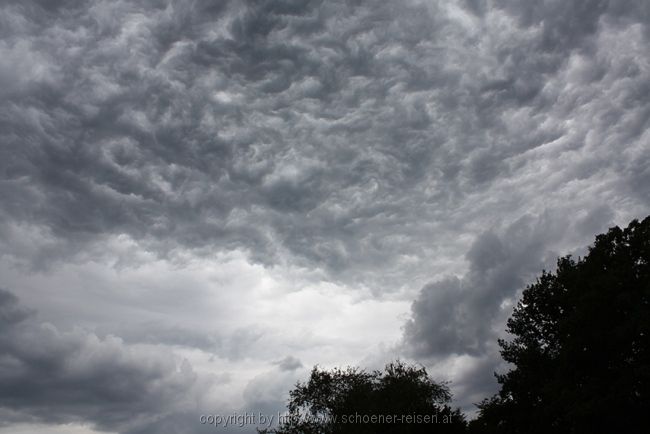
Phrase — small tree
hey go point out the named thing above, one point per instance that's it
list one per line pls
(581, 346)
(402, 399)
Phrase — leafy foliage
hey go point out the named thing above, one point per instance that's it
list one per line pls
(344, 401)
(581, 346)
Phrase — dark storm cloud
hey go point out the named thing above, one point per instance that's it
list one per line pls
(10, 312)
(289, 363)
(51, 376)
(313, 129)
(455, 315)
(465, 316)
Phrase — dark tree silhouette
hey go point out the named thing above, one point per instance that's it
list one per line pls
(581, 346)
(402, 399)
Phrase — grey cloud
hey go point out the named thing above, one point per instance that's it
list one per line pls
(308, 131)
(289, 363)
(10, 311)
(242, 342)
(156, 332)
(268, 392)
(478, 381)
(566, 24)
(186, 423)
(53, 376)
(237, 345)
(462, 315)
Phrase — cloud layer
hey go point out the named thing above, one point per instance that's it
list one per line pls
(60, 377)
(318, 130)
(259, 186)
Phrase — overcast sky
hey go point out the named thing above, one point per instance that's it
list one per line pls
(201, 200)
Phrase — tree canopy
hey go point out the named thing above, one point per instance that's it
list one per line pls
(581, 345)
(401, 399)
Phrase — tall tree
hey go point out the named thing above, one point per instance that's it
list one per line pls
(581, 345)
(402, 399)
